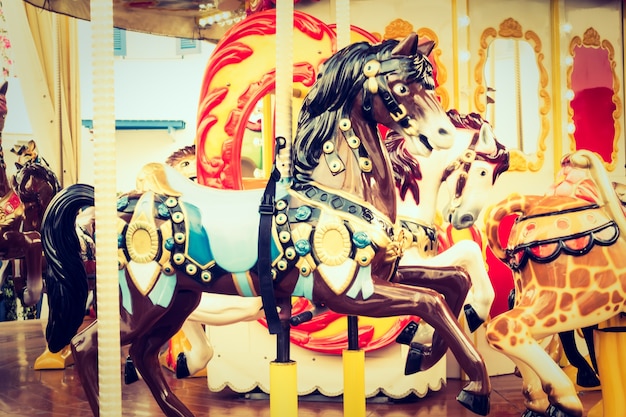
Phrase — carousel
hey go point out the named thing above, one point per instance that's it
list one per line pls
(380, 209)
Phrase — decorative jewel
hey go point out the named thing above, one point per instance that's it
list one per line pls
(178, 217)
(191, 269)
(122, 203)
(361, 240)
(345, 124)
(281, 205)
(163, 211)
(371, 68)
(354, 142)
(169, 243)
(290, 253)
(328, 147)
(284, 236)
(171, 202)
(142, 241)
(303, 213)
(179, 238)
(303, 247)
(205, 276)
(178, 258)
(281, 219)
(365, 164)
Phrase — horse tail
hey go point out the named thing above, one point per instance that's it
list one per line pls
(66, 279)
(494, 215)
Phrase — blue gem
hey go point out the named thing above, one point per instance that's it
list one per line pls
(120, 241)
(169, 243)
(303, 247)
(303, 213)
(163, 211)
(122, 203)
(361, 240)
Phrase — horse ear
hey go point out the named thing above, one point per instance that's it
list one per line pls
(487, 138)
(425, 48)
(407, 46)
(4, 87)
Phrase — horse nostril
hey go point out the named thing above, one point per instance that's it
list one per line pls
(443, 132)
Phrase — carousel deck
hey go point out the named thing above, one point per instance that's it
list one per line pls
(25, 392)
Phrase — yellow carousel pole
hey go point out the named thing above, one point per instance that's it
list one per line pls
(283, 376)
(353, 358)
(109, 379)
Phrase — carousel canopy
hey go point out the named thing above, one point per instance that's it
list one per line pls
(193, 19)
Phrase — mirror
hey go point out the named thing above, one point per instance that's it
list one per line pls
(511, 92)
(595, 106)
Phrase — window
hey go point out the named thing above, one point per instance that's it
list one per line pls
(119, 42)
(187, 46)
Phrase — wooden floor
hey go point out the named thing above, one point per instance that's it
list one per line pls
(25, 392)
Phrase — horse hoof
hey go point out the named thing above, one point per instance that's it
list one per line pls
(587, 378)
(414, 359)
(130, 373)
(405, 337)
(473, 320)
(182, 370)
(301, 318)
(553, 411)
(478, 404)
(531, 413)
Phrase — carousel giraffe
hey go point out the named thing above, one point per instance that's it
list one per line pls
(567, 255)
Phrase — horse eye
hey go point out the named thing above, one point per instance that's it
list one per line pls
(483, 173)
(401, 89)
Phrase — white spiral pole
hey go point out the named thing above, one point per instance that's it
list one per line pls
(107, 291)
(284, 82)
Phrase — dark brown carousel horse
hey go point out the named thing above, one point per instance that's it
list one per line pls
(22, 205)
(333, 235)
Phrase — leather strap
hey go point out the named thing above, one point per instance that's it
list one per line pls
(264, 263)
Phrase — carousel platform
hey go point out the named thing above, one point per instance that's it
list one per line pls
(55, 393)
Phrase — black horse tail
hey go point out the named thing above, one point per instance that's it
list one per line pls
(66, 278)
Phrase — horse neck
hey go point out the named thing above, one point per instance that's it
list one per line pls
(432, 168)
(5, 187)
(375, 187)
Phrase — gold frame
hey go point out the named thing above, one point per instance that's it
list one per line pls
(591, 39)
(511, 28)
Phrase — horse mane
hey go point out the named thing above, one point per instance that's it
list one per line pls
(339, 81)
(182, 153)
(406, 169)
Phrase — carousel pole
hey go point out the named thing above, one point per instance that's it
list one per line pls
(109, 380)
(353, 357)
(283, 376)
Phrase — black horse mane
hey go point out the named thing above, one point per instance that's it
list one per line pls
(35, 170)
(338, 83)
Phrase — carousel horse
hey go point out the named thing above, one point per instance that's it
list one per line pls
(566, 252)
(330, 234)
(468, 170)
(22, 205)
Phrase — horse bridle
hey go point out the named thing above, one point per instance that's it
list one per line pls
(376, 72)
(465, 161)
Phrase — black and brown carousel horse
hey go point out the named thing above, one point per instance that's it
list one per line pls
(332, 232)
(22, 204)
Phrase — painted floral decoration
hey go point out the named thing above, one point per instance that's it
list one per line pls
(5, 45)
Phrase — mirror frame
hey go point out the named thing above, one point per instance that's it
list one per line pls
(511, 28)
(591, 39)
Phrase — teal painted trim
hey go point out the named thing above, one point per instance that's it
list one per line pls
(127, 303)
(198, 245)
(304, 287)
(244, 284)
(163, 291)
(142, 124)
(362, 283)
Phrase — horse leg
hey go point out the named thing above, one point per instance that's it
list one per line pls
(145, 348)
(586, 376)
(510, 334)
(84, 348)
(467, 254)
(189, 362)
(535, 400)
(453, 283)
(213, 310)
(392, 299)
